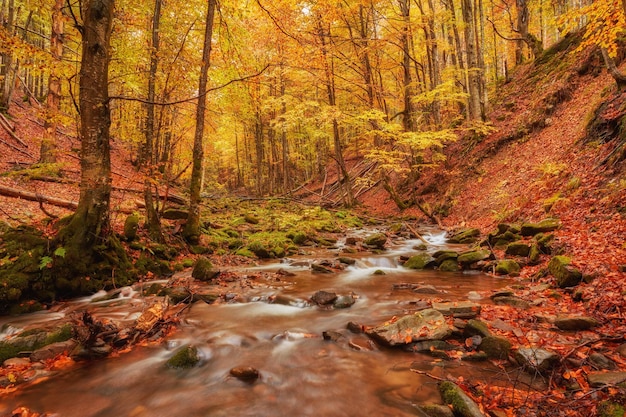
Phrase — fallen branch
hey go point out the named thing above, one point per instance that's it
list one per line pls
(17, 149)
(26, 195)
(412, 230)
(436, 378)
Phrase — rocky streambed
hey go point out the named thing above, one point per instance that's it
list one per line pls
(374, 326)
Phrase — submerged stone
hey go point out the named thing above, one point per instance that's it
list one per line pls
(184, 358)
(427, 324)
(245, 373)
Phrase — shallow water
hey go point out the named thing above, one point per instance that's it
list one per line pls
(301, 374)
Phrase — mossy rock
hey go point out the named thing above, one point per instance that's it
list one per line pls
(467, 258)
(435, 410)
(518, 249)
(146, 263)
(547, 225)
(200, 250)
(131, 225)
(175, 214)
(503, 239)
(260, 250)
(444, 255)
(495, 347)
(420, 261)
(507, 267)
(449, 265)
(251, 218)
(534, 255)
(377, 240)
(245, 252)
(462, 405)
(563, 272)
(464, 236)
(544, 241)
(300, 238)
(184, 358)
(203, 270)
(476, 327)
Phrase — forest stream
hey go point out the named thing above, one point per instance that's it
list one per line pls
(274, 328)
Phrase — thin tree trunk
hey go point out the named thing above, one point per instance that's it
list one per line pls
(47, 152)
(473, 70)
(191, 231)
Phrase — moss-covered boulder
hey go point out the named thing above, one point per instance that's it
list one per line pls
(184, 358)
(460, 403)
(575, 323)
(476, 327)
(464, 236)
(260, 250)
(534, 254)
(611, 409)
(503, 239)
(495, 347)
(444, 255)
(547, 225)
(565, 274)
(427, 324)
(469, 257)
(420, 261)
(377, 240)
(449, 265)
(507, 267)
(131, 225)
(300, 238)
(203, 270)
(175, 214)
(518, 249)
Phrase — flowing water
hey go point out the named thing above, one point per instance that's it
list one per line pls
(301, 373)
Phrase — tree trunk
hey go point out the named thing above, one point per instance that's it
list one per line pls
(618, 76)
(191, 231)
(7, 62)
(47, 153)
(522, 29)
(410, 124)
(148, 162)
(473, 70)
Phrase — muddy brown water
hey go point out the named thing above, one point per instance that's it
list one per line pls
(301, 373)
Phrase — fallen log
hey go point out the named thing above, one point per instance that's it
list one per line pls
(26, 195)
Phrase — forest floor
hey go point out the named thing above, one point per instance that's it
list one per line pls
(549, 171)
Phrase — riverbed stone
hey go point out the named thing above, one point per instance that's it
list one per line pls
(495, 347)
(464, 236)
(52, 350)
(507, 267)
(462, 405)
(546, 225)
(324, 297)
(469, 257)
(426, 289)
(517, 249)
(575, 323)
(245, 373)
(512, 301)
(476, 327)
(459, 309)
(346, 260)
(444, 255)
(602, 378)
(344, 301)
(203, 270)
(184, 358)
(534, 254)
(599, 361)
(449, 265)
(420, 261)
(435, 410)
(318, 268)
(427, 324)
(537, 359)
(376, 240)
(565, 274)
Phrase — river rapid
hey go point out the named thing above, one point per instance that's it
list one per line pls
(301, 374)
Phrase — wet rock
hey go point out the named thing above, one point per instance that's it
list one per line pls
(287, 301)
(377, 240)
(344, 301)
(547, 225)
(424, 325)
(575, 323)
(601, 379)
(346, 260)
(537, 359)
(621, 349)
(464, 236)
(430, 345)
(460, 309)
(318, 268)
(16, 362)
(379, 272)
(52, 350)
(361, 344)
(354, 327)
(462, 405)
(351, 241)
(426, 289)
(544, 242)
(184, 358)
(475, 357)
(449, 265)
(331, 335)
(468, 258)
(534, 255)
(517, 249)
(324, 298)
(203, 270)
(565, 274)
(435, 410)
(512, 301)
(175, 214)
(245, 373)
(495, 347)
(420, 261)
(599, 361)
(476, 327)
(130, 227)
(285, 273)
(507, 267)
(444, 255)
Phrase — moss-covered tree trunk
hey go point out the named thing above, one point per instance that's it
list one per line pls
(191, 231)
(87, 236)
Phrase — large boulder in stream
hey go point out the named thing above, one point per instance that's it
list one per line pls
(427, 324)
(377, 240)
(203, 270)
(420, 261)
(464, 236)
(469, 257)
(184, 358)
